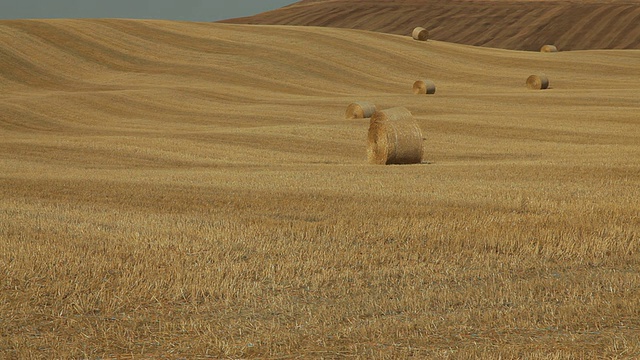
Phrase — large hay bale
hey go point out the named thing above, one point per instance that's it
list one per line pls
(548, 49)
(424, 87)
(420, 34)
(360, 110)
(538, 82)
(394, 138)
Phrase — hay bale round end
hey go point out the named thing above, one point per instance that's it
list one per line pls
(424, 87)
(420, 34)
(538, 82)
(548, 49)
(360, 110)
(394, 138)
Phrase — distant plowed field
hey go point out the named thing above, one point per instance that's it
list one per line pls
(509, 24)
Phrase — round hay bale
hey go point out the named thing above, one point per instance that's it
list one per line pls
(548, 49)
(538, 82)
(424, 87)
(394, 138)
(420, 34)
(360, 110)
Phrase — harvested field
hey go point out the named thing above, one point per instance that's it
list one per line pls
(192, 190)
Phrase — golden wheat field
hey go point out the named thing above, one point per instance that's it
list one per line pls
(192, 190)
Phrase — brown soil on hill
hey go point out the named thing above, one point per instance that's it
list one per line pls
(514, 24)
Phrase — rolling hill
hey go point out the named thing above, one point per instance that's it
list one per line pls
(507, 24)
(192, 190)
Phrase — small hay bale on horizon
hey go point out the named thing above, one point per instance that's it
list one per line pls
(424, 87)
(538, 82)
(420, 34)
(394, 138)
(360, 110)
(548, 49)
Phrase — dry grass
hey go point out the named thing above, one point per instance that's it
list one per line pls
(167, 193)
